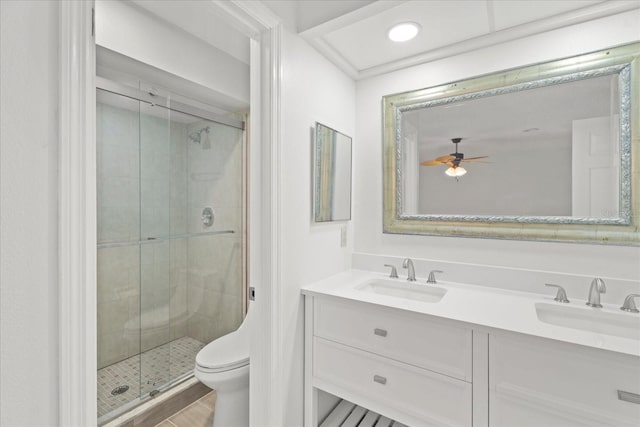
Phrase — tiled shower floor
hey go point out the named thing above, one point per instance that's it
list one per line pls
(143, 373)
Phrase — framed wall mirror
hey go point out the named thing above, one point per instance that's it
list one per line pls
(332, 175)
(545, 152)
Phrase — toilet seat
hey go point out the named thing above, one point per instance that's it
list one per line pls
(238, 368)
(225, 353)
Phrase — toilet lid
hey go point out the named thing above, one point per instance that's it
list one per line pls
(227, 352)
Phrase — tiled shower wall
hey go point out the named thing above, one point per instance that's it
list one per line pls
(153, 182)
(215, 263)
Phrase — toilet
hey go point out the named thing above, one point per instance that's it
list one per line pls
(223, 365)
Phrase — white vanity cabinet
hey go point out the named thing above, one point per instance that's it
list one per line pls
(408, 366)
(413, 364)
(537, 382)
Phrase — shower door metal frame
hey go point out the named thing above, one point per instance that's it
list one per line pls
(161, 101)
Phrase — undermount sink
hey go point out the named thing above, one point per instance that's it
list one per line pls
(402, 289)
(590, 319)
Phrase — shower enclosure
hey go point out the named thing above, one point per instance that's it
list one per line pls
(171, 244)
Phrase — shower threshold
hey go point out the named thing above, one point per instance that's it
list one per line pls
(144, 374)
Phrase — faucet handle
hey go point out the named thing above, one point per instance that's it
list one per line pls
(432, 277)
(394, 271)
(561, 295)
(629, 304)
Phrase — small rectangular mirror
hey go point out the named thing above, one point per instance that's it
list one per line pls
(332, 183)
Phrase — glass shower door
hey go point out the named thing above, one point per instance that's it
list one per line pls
(191, 228)
(156, 177)
(135, 257)
(192, 240)
(171, 248)
(118, 262)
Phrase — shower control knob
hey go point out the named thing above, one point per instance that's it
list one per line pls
(207, 217)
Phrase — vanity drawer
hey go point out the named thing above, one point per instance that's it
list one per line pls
(408, 337)
(535, 381)
(436, 399)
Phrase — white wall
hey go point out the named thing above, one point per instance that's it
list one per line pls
(134, 32)
(28, 213)
(622, 262)
(313, 90)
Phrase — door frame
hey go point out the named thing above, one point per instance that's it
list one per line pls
(77, 226)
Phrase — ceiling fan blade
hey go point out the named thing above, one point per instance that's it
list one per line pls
(480, 159)
(446, 158)
(431, 163)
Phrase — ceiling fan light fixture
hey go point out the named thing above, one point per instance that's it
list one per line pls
(403, 32)
(456, 172)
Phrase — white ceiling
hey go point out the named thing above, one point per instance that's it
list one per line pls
(301, 15)
(353, 33)
(357, 41)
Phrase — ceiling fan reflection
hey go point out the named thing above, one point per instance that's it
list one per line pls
(453, 161)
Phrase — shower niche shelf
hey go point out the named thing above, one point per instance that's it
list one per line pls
(151, 240)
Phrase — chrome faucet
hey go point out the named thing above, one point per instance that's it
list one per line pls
(411, 274)
(597, 288)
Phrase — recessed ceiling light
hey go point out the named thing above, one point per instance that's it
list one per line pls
(403, 32)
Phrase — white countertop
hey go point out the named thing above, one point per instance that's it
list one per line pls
(480, 305)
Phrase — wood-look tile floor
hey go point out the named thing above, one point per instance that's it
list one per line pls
(198, 414)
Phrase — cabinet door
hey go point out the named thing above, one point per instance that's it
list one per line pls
(537, 382)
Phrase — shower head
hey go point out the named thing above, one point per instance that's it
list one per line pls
(200, 137)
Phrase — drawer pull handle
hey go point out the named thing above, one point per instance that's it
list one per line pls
(379, 379)
(380, 332)
(629, 397)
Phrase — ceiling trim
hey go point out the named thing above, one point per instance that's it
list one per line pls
(250, 17)
(315, 36)
(351, 18)
(334, 56)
